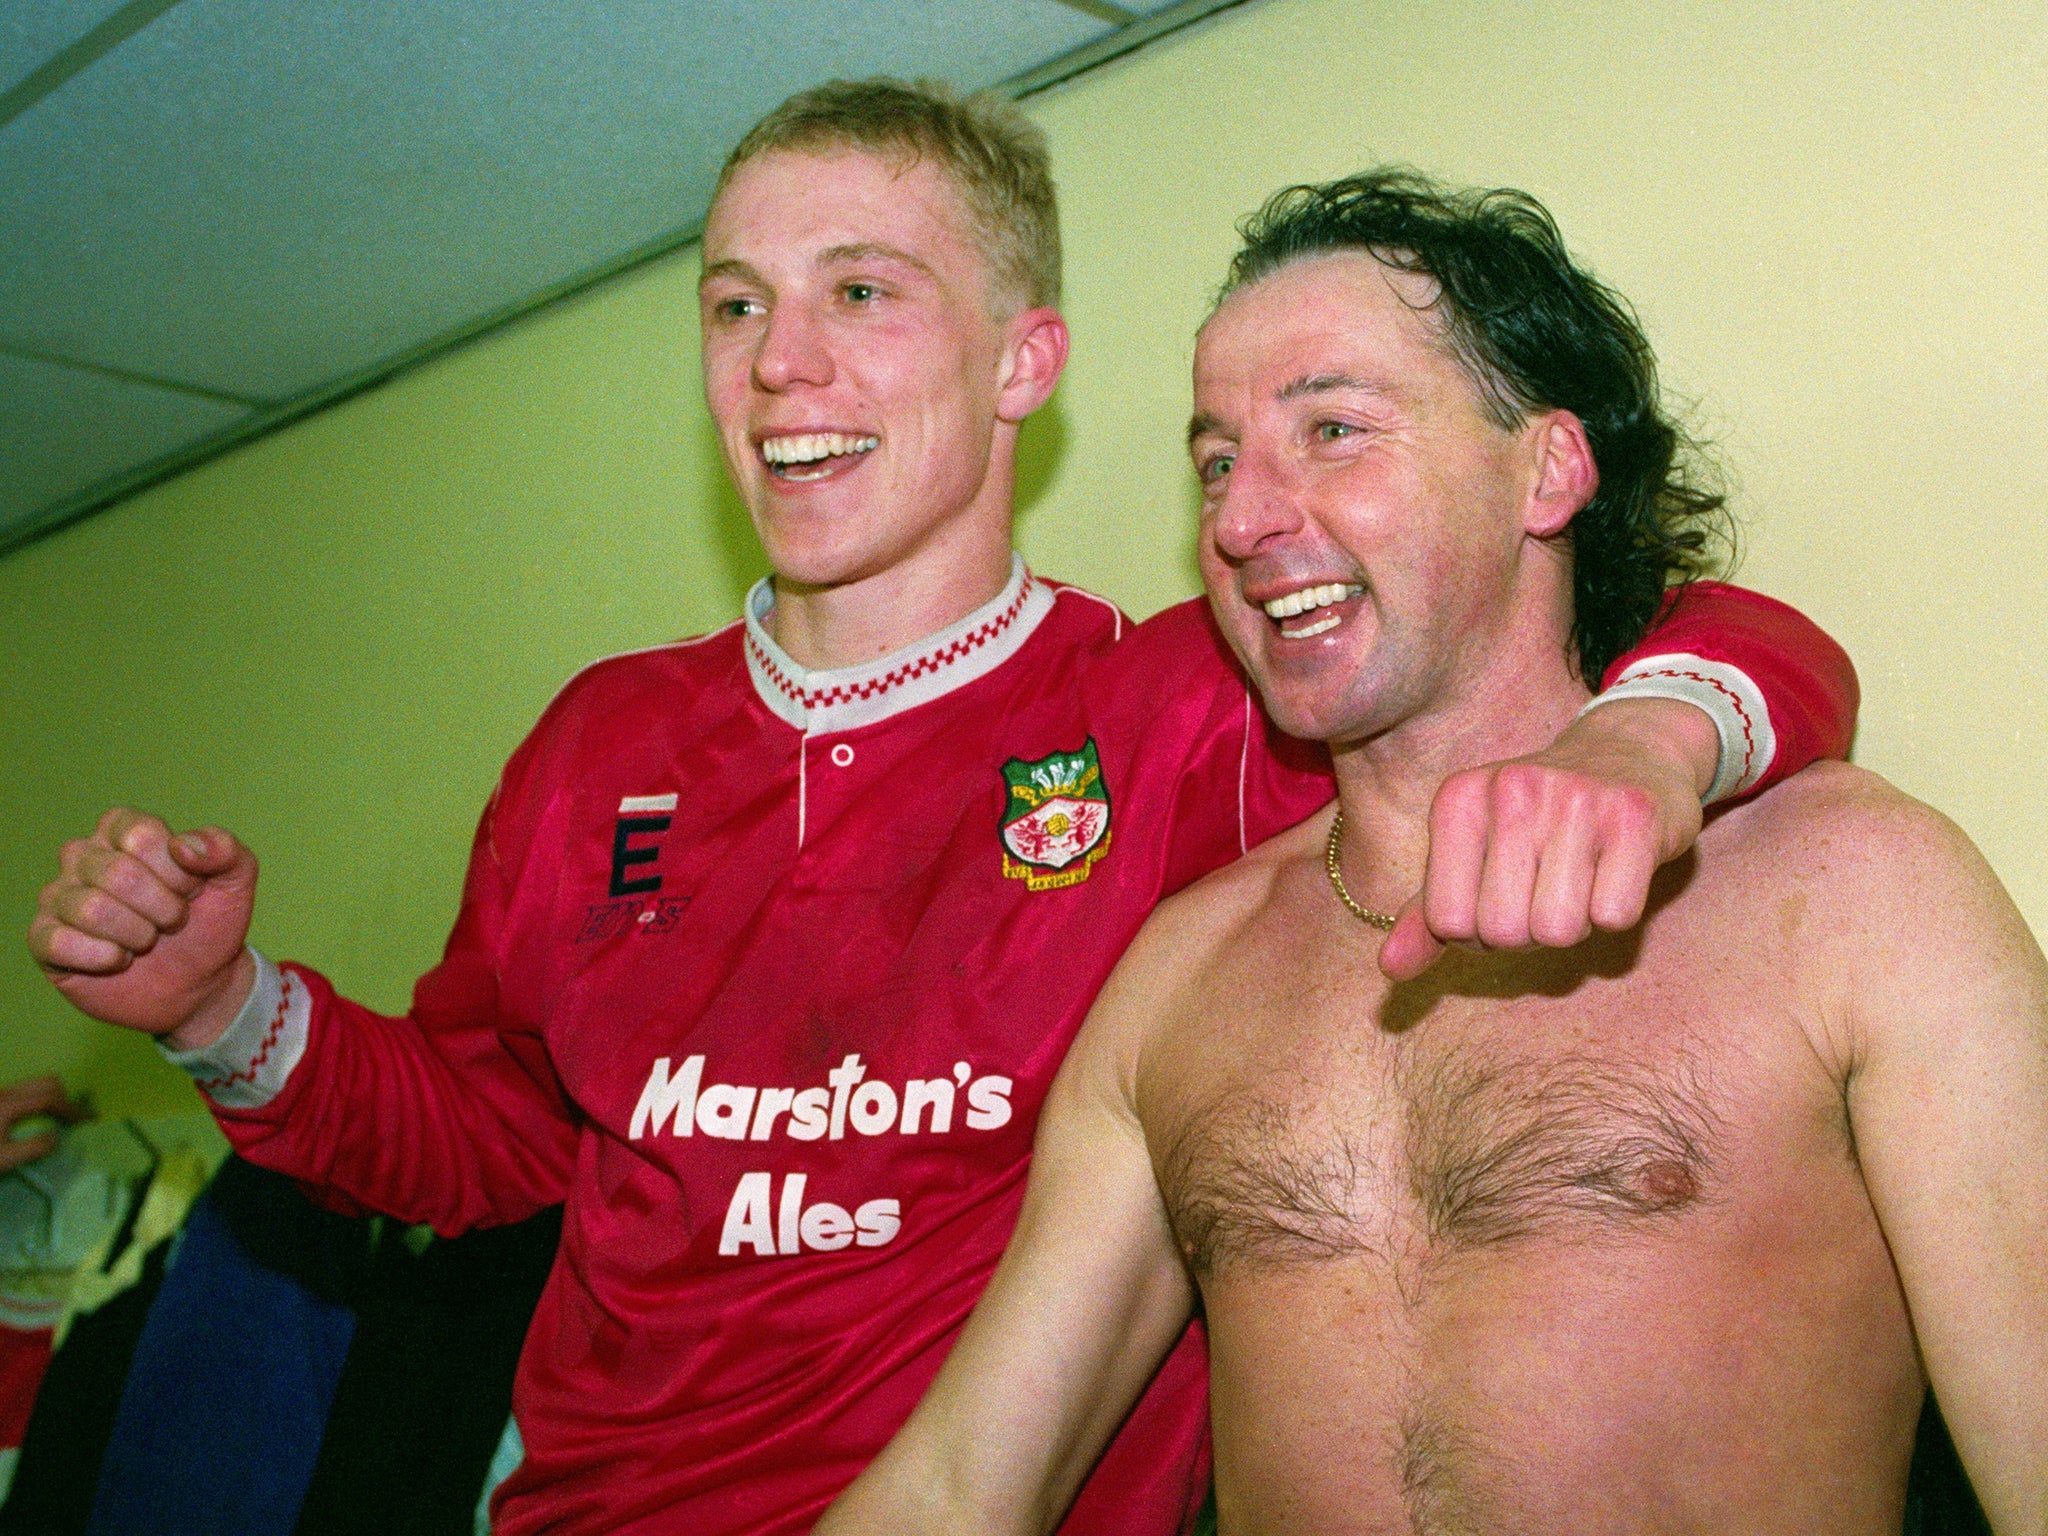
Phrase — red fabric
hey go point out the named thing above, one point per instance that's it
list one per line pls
(671, 1387)
(24, 1357)
(1808, 680)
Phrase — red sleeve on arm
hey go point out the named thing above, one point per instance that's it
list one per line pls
(1806, 681)
(450, 1115)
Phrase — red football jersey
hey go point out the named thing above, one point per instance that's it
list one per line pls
(766, 972)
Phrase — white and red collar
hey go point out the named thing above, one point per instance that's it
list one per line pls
(816, 702)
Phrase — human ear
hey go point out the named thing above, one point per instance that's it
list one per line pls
(1566, 474)
(1032, 362)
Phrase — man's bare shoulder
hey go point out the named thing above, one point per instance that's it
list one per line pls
(1837, 828)
(1879, 876)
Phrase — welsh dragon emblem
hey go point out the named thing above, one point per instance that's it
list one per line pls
(1055, 818)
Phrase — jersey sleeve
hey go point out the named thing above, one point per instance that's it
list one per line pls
(1781, 692)
(450, 1114)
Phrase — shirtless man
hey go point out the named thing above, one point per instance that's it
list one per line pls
(1666, 1233)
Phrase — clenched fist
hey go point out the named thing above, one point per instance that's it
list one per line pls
(147, 930)
(1548, 847)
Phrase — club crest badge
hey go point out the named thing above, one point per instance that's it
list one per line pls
(1055, 818)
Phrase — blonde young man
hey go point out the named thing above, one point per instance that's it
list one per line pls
(774, 938)
(1666, 1233)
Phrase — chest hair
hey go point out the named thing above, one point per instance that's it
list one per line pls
(1409, 1150)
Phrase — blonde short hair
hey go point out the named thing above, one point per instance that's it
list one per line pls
(995, 155)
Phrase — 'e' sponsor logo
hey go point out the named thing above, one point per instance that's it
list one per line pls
(640, 816)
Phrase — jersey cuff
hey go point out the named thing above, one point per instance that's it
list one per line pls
(247, 1066)
(1735, 704)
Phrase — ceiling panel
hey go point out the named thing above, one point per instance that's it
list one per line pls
(257, 198)
(64, 429)
(32, 32)
(230, 211)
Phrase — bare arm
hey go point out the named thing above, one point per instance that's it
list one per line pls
(1087, 1301)
(1947, 1028)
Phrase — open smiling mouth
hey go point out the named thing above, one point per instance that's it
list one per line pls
(1317, 609)
(813, 455)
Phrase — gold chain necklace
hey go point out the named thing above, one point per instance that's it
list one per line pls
(1363, 914)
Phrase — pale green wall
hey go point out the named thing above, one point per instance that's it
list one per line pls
(1830, 215)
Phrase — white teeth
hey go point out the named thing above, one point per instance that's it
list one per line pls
(1316, 628)
(1311, 597)
(809, 447)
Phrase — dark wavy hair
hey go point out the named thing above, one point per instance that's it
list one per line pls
(1534, 332)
